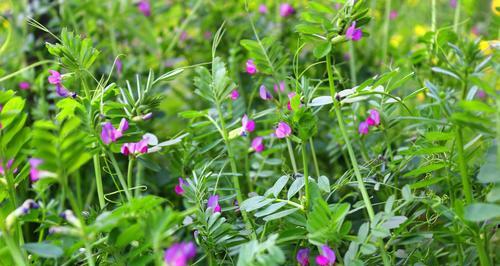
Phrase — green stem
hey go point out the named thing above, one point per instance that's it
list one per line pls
(130, 172)
(457, 17)
(463, 165)
(385, 35)
(19, 259)
(306, 175)
(315, 160)
(292, 157)
(138, 178)
(98, 181)
(433, 15)
(481, 250)
(120, 175)
(352, 65)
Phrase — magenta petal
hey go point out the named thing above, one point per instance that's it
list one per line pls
(303, 257)
(283, 130)
(107, 133)
(125, 149)
(363, 128)
(264, 94)
(258, 144)
(374, 118)
(123, 125)
(321, 260)
(250, 67)
(55, 77)
(329, 254)
(234, 95)
(213, 202)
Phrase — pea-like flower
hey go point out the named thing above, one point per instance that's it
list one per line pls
(20, 211)
(279, 87)
(283, 130)
(286, 10)
(56, 79)
(35, 173)
(258, 144)
(262, 9)
(303, 257)
(135, 148)
(393, 15)
(353, 33)
(8, 165)
(213, 203)
(179, 189)
(247, 125)
(363, 128)
(179, 254)
(234, 95)
(374, 118)
(110, 134)
(144, 7)
(264, 93)
(251, 68)
(327, 257)
(24, 85)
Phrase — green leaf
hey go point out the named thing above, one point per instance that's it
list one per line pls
(425, 169)
(478, 212)
(490, 169)
(324, 183)
(280, 214)
(45, 250)
(322, 49)
(295, 187)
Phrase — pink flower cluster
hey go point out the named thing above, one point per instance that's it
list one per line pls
(372, 120)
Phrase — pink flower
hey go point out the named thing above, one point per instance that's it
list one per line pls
(353, 33)
(35, 174)
(327, 257)
(110, 134)
(286, 10)
(264, 93)
(363, 128)
(303, 257)
(374, 118)
(179, 254)
(283, 130)
(179, 190)
(393, 15)
(279, 87)
(207, 35)
(481, 94)
(250, 67)
(119, 66)
(234, 95)
(24, 85)
(453, 3)
(7, 166)
(135, 148)
(263, 9)
(55, 77)
(213, 202)
(144, 7)
(184, 36)
(247, 125)
(258, 144)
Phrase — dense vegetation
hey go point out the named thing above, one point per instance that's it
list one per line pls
(242, 132)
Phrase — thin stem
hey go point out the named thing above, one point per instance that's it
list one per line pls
(98, 181)
(306, 175)
(138, 178)
(292, 157)
(120, 175)
(463, 165)
(433, 14)
(19, 259)
(315, 160)
(130, 171)
(385, 35)
(457, 17)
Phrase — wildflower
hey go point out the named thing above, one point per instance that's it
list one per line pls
(481, 94)
(35, 173)
(283, 130)
(338, 6)
(179, 190)
(179, 254)
(147, 116)
(234, 95)
(110, 134)
(55, 77)
(213, 202)
(264, 93)
(487, 47)
(207, 35)
(144, 7)
(24, 85)
(290, 96)
(7, 166)
(363, 128)
(184, 36)
(135, 148)
(20, 211)
(263, 9)
(258, 144)
(420, 30)
(69, 216)
(396, 40)
(119, 66)
(303, 257)
(279, 87)
(353, 33)
(327, 257)
(453, 3)
(250, 67)
(286, 10)
(374, 118)
(247, 125)
(393, 14)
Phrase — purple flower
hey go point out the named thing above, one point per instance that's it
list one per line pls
(7, 166)
(35, 174)
(263, 9)
(119, 66)
(290, 96)
(213, 202)
(258, 144)
(110, 134)
(250, 67)
(393, 15)
(135, 148)
(247, 125)
(234, 95)
(374, 118)
(481, 94)
(24, 85)
(179, 190)
(207, 35)
(353, 33)
(303, 257)
(327, 257)
(363, 128)
(279, 87)
(55, 77)
(453, 3)
(147, 116)
(286, 10)
(346, 56)
(63, 92)
(144, 7)
(264, 93)
(183, 36)
(283, 130)
(179, 254)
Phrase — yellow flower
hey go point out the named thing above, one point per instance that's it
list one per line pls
(495, 7)
(396, 40)
(421, 96)
(420, 30)
(487, 46)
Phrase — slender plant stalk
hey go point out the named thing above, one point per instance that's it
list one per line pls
(352, 156)
(433, 15)
(292, 157)
(306, 176)
(315, 160)
(138, 178)
(120, 176)
(16, 253)
(456, 17)
(130, 172)
(385, 35)
(463, 165)
(98, 180)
